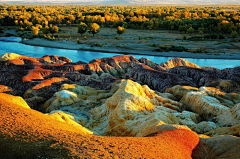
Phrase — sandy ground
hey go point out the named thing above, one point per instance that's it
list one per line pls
(139, 42)
(74, 46)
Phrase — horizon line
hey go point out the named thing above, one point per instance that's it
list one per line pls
(186, 4)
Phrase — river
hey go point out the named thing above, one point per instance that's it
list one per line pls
(12, 45)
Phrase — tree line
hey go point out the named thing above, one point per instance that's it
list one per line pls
(186, 19)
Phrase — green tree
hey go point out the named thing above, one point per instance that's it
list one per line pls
(150, 25)
(190, 30)
(182, 28)
(45, 30)
(94, 28)
(184, 37)
(120, 30)
(53, 30)
(234, 34)
(82, 28)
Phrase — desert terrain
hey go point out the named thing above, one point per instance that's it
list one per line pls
(117, 107)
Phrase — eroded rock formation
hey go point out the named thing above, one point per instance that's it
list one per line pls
(26, 133)
(22, 73)
(121, 96)
(129, 109)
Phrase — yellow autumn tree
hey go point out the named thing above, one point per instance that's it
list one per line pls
(35, 30)
(120, 30)
(82, 28)
(94, 28)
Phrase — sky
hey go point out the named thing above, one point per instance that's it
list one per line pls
(126, 2)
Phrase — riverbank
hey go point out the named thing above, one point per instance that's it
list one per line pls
(138, 42)
(75, 46)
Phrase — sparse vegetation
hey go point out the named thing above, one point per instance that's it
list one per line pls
(200, 50)
(206, 36)
(78, 41)
(234, 34)
(97, 45)
(170, 48)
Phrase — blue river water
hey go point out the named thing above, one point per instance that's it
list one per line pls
(12, 45)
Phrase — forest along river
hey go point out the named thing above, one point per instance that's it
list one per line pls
(12, 45)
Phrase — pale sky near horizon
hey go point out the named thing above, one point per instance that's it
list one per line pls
(123, 1)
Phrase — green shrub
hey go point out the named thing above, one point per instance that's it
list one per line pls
(214, 36)
(165, 48)
(211, 36)
(41, 36)
(190, 30)
(84, 38)
(200, 50)
(196, 38)
(172, 48)
(78, 41)
(158, 50)
(221, 36)
(118, 38)
(154, 45)
(178, 48)
(97, 44)
(234, 34)
(20, 34)
(49, 37)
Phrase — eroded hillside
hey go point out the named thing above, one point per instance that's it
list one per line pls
(150, 110)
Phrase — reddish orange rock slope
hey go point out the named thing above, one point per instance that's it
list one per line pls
(26, 133)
